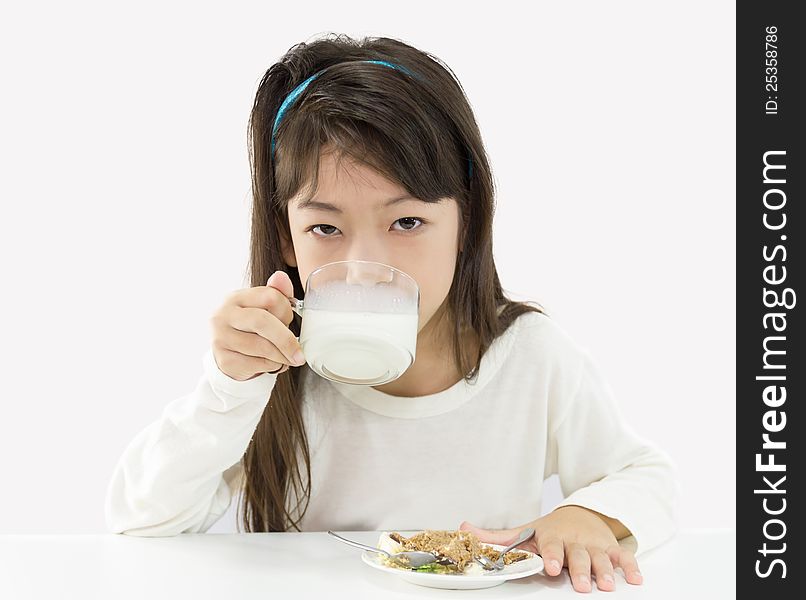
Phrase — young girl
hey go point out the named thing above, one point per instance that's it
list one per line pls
(369, 150)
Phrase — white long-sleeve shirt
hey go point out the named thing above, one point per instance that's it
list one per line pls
(478, 452)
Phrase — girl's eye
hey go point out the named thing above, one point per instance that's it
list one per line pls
(407, 224)
(312, 227)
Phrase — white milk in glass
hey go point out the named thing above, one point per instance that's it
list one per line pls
(359, 334)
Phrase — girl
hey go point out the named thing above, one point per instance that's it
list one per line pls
(369, 150)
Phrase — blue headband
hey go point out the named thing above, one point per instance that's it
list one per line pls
(294, 94)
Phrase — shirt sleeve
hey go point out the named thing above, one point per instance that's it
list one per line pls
(179, 474)
(604, 466)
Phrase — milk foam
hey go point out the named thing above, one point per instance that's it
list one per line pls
(342, 296)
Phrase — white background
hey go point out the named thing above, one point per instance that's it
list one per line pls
(125, 211)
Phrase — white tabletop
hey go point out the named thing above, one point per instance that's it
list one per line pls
(695, 564)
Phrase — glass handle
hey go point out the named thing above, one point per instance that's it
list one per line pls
(296, 305)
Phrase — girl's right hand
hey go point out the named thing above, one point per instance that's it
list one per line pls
(250, 334)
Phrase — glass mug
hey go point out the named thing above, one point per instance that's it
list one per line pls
(359, 321)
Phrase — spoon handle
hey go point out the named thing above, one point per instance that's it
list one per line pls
(524, 536)
(359, 545)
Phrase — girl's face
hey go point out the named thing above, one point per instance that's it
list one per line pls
(359, 214)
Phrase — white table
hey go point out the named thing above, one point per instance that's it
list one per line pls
(695, 564)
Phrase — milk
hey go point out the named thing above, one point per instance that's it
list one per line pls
(364, 335)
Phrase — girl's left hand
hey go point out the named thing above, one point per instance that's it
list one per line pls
(575, 537)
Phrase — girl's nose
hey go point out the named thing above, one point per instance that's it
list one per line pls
(368, 273)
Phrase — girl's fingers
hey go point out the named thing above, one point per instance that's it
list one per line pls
(250, 344)
(579, 567)
(551, 549)
(241, 367)
(257, 320)
(503, 537)
(629, 565)
(266, 297)
(602, 570)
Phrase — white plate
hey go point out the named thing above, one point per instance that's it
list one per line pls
(487, 579)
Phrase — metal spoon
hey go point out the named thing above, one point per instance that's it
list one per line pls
(486, 563)
(409, 558)
(524, 536)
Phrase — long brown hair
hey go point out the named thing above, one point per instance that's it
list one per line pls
(415, 127)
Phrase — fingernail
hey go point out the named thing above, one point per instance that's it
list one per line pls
(584, 580)
(298, 358)
(608, 578)
(555, 566)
